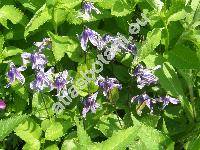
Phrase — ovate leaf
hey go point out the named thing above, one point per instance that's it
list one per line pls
(65, 44)
(30, 132)
(54, 131)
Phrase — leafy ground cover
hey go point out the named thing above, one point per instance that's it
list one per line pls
(99, 74)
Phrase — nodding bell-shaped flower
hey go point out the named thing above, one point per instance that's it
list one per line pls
(37, 60)
(107, 84)
(15, 73)
(86, 12)
(143, 100)
(93, 37)
(46, 43)
(119, 43)
(145, 77)
(168, 99)
(43, 80)
(90, 104)
(61, 81)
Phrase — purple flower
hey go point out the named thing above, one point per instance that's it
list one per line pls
(37, 60)
(15, 73)
(87, 10)
(132, 49)
(46, 43)
(107, 84)
(61, 81)
(43, 80)
(143, 100)
(167, 99)
(90, 104)
(145, 77)
(2, 104)
(119, 43)
(92, 36)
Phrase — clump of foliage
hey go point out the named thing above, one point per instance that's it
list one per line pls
(145, 97)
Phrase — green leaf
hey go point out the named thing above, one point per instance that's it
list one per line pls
(123, 74)
(177, 16)
(40, 17)
(183, 57)
(122, 8)
(120, 139)
(152, 41)
(118, 7)
(170, 82)
(3, 21)
(69, 145)
(8, 125)
(193, 144)
(41, 105)
(193, 36)
(32, 5)
(52, 147)
(195, 4)
(11, 51)
(20, 90)
(156, 4)
(108, 124)
(1, 42)
(13, 14)
(84, 140)
(30, 132)
(54, 132)
(152, 138)
(66, 44)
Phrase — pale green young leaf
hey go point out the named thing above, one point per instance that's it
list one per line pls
(195, 4)
(30, 132)
(13, 14)
(54, 131)
(52, 147)
(69, 144)
(42, 105)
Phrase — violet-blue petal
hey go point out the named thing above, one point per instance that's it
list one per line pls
(15, 73)
(43, 80)
(107, 84)
(90, 104)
